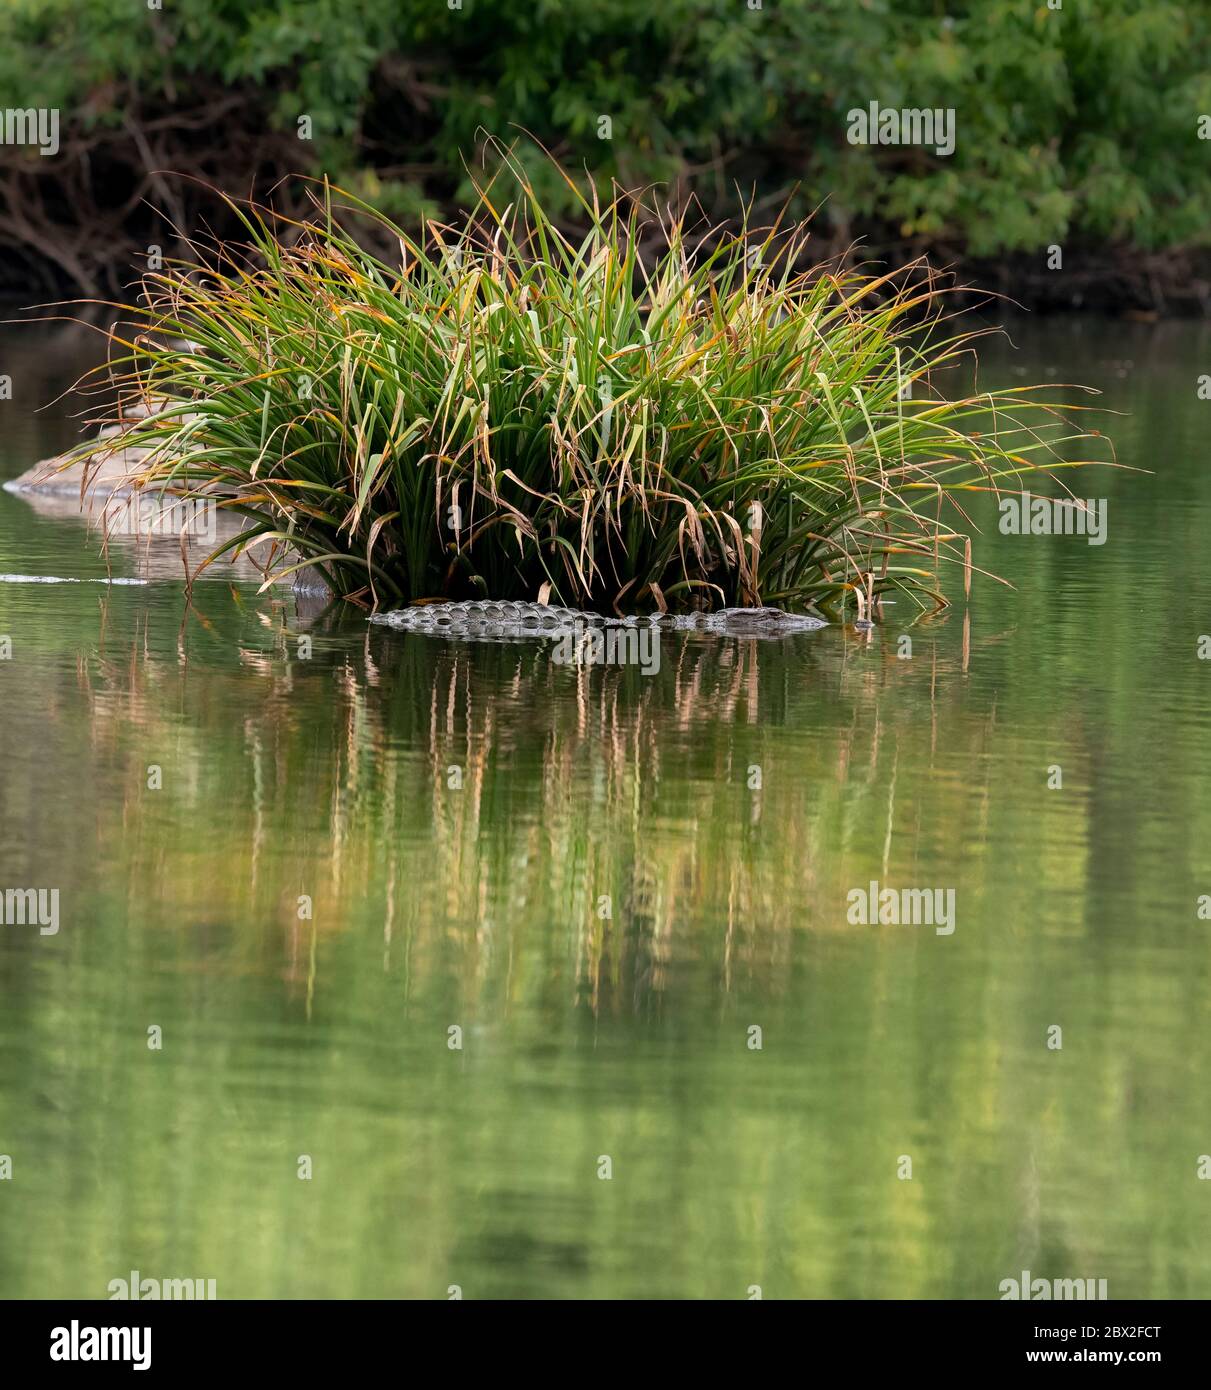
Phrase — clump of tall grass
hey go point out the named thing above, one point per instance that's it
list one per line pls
(505, 410)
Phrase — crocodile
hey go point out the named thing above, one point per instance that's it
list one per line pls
(487, 618)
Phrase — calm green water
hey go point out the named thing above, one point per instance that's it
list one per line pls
(477, 908)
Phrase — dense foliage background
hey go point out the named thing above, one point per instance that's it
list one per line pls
(1076, 126)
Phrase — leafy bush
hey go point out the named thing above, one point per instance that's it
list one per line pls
(1078, 123)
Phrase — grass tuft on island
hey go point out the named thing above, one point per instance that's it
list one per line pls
(502, 412)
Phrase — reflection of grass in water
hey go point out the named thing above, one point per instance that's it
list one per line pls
(584, 1037)
(616, 791)
(351, 786)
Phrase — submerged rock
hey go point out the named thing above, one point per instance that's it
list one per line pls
(107, 476)
(101, 474)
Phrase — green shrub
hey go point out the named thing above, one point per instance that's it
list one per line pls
(1074, 125)
(506, 411)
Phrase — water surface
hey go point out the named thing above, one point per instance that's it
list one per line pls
(457, 813)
